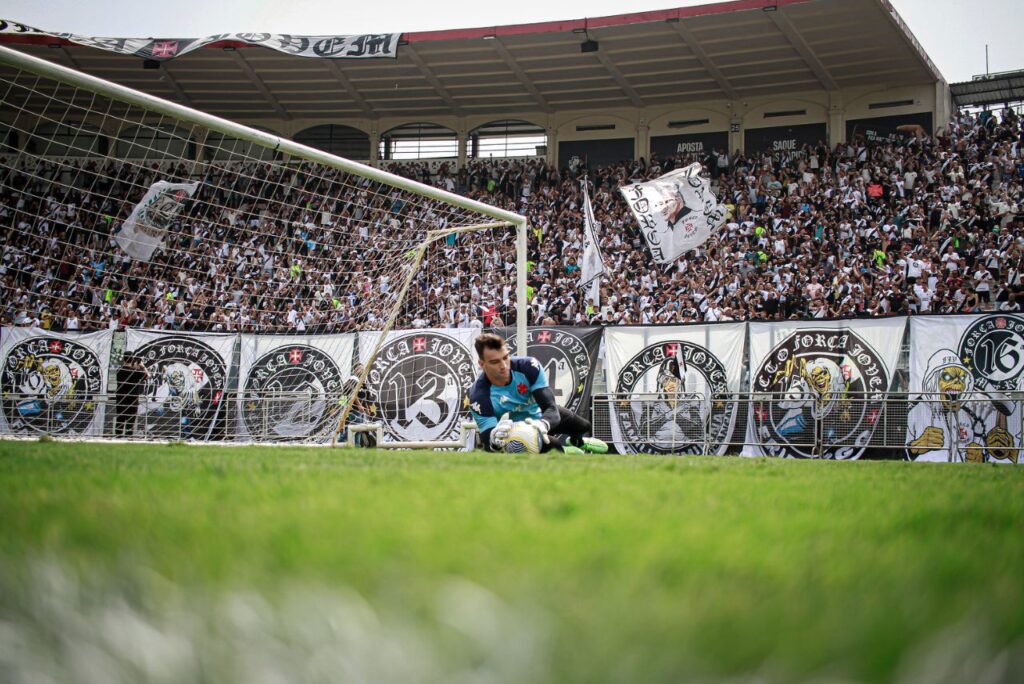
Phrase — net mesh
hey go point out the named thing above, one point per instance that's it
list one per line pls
(252, 239)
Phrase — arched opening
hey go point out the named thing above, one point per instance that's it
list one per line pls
(68, 139)
(343, 141)
(156, 142)
(507, 138)
(419, 141)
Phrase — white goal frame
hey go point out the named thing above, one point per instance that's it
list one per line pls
(104, 88)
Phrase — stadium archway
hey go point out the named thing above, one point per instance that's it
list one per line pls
(507, 138)
(71, 139)
(421, 140)
(156, 142)
(344, 141)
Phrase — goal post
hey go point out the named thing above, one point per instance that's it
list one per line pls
(259, 233)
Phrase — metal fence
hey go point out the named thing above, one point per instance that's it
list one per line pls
(971, 427)
(967, 427)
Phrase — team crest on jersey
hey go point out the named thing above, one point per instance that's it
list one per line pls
(993, 349)
(818, 382)
(566, 361)
(185, 390)
(291, 393)
(50, 386)
(417, 384)
(670, 403)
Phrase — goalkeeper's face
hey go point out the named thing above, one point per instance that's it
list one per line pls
(497, 365)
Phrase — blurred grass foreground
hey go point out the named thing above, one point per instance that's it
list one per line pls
(153, 563)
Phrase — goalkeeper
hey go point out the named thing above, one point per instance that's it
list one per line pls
(516, 388)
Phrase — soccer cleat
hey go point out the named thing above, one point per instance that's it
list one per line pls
(570, 450)
(594, 445)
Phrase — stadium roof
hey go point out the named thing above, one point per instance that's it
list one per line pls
(730, 50)
(1004, 87)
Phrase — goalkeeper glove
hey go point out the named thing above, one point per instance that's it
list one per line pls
(541, 426)
(499, 435)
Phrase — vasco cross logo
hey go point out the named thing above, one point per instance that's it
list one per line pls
(670, 405)
(993, 349)
(50, 385)
(290, 393)
(417, 383)
(827, 380)
(566, 362)
(185, 389)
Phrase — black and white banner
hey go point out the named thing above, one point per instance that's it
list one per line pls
(966, 375)
(332, 47)
(671, 382)
(292, 387)
(676, 212)
(418, 382)
(53, 383)
(144, 230)
(819, 385)
(184, 397)
(569, 358)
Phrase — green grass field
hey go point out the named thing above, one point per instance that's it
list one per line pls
(182, 563)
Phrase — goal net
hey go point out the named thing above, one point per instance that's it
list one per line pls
(253, 283)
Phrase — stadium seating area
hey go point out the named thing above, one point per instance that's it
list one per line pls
(922, 225)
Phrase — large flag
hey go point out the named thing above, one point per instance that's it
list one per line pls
(676, 212)
(592, 266)
(151, 218)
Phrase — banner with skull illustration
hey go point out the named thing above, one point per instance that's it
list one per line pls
(292, 387)
(53, 383)
(967, 387)
(674, 385)
(818, 388)
(569, 357)
(417, 384)
(184, 396)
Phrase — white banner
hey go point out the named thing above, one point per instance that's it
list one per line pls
(329, 47)
(143, 231)
(184, 393)
(591, 265)
(52, 383)
(292, 387)
(819, 381)
(676, 212)
(966, 373)
(680, 377)
(418, 384)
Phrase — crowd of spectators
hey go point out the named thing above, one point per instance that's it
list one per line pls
(920, 224)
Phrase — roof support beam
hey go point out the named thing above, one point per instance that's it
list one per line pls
(784, 25)
(432, 79)
(620, 79)
(698, 52)
(332, 64)
(260, 85)
(510, 61)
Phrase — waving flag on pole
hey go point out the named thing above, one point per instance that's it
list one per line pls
(592, 266)
(158, 212)
(676, 212)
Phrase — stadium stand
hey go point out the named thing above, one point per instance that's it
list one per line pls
(926, 224)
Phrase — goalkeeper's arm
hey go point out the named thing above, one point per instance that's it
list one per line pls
(545, 399)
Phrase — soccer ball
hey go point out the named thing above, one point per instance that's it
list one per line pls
(523, 438)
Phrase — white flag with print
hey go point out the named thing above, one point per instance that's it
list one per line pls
(151, 218)
(676, 212)
(592, 265)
